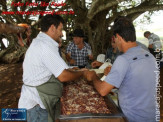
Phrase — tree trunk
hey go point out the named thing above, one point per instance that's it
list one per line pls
(13, 53)
(9, 28)
(15, 56)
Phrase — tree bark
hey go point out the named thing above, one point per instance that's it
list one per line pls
(9, 28)
(94, 19)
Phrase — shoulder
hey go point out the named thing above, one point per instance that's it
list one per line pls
(152, 36)
(156, 37)
(71, 44)
(136, 54)
(128, 57)
(108, 52)
(109, 49)
(87, 45)
(37, 45)
(122, 59)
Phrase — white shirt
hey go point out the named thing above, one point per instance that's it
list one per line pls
(155, 40)
(42, 59)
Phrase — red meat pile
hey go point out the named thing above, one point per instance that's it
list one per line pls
(80, 97)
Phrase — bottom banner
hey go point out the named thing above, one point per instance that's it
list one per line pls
(14, 114)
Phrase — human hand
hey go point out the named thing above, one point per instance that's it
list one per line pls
(75, 68)
(83, 69)
(96, 64)
(72, 61)
(90, 75)
(107, 70)
(90, 57)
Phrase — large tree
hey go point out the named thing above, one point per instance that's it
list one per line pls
(98, 16)
(94, 16)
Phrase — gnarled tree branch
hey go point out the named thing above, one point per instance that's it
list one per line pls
(10, 28)
(97, 7)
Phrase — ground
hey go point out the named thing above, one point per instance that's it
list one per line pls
(11, 82)
(10, 85)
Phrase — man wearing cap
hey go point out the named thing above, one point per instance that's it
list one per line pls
(78, 52)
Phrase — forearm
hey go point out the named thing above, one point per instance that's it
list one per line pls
(102, 87)
(68, 57)
(69, 75)
(96, 64)
(99, 64)
(90, 57)
(150, 46)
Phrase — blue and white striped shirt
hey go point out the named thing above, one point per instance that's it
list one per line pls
(42, 59)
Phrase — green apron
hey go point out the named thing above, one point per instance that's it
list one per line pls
(50, 93)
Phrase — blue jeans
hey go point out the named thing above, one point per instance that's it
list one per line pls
(37, 114)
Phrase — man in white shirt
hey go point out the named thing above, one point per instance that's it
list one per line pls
(42, 64)
(154, 40)
(154, 44)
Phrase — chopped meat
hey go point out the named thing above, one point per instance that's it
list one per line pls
(81, 97)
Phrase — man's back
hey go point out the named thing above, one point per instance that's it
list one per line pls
(139, 82)
(133, 73)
